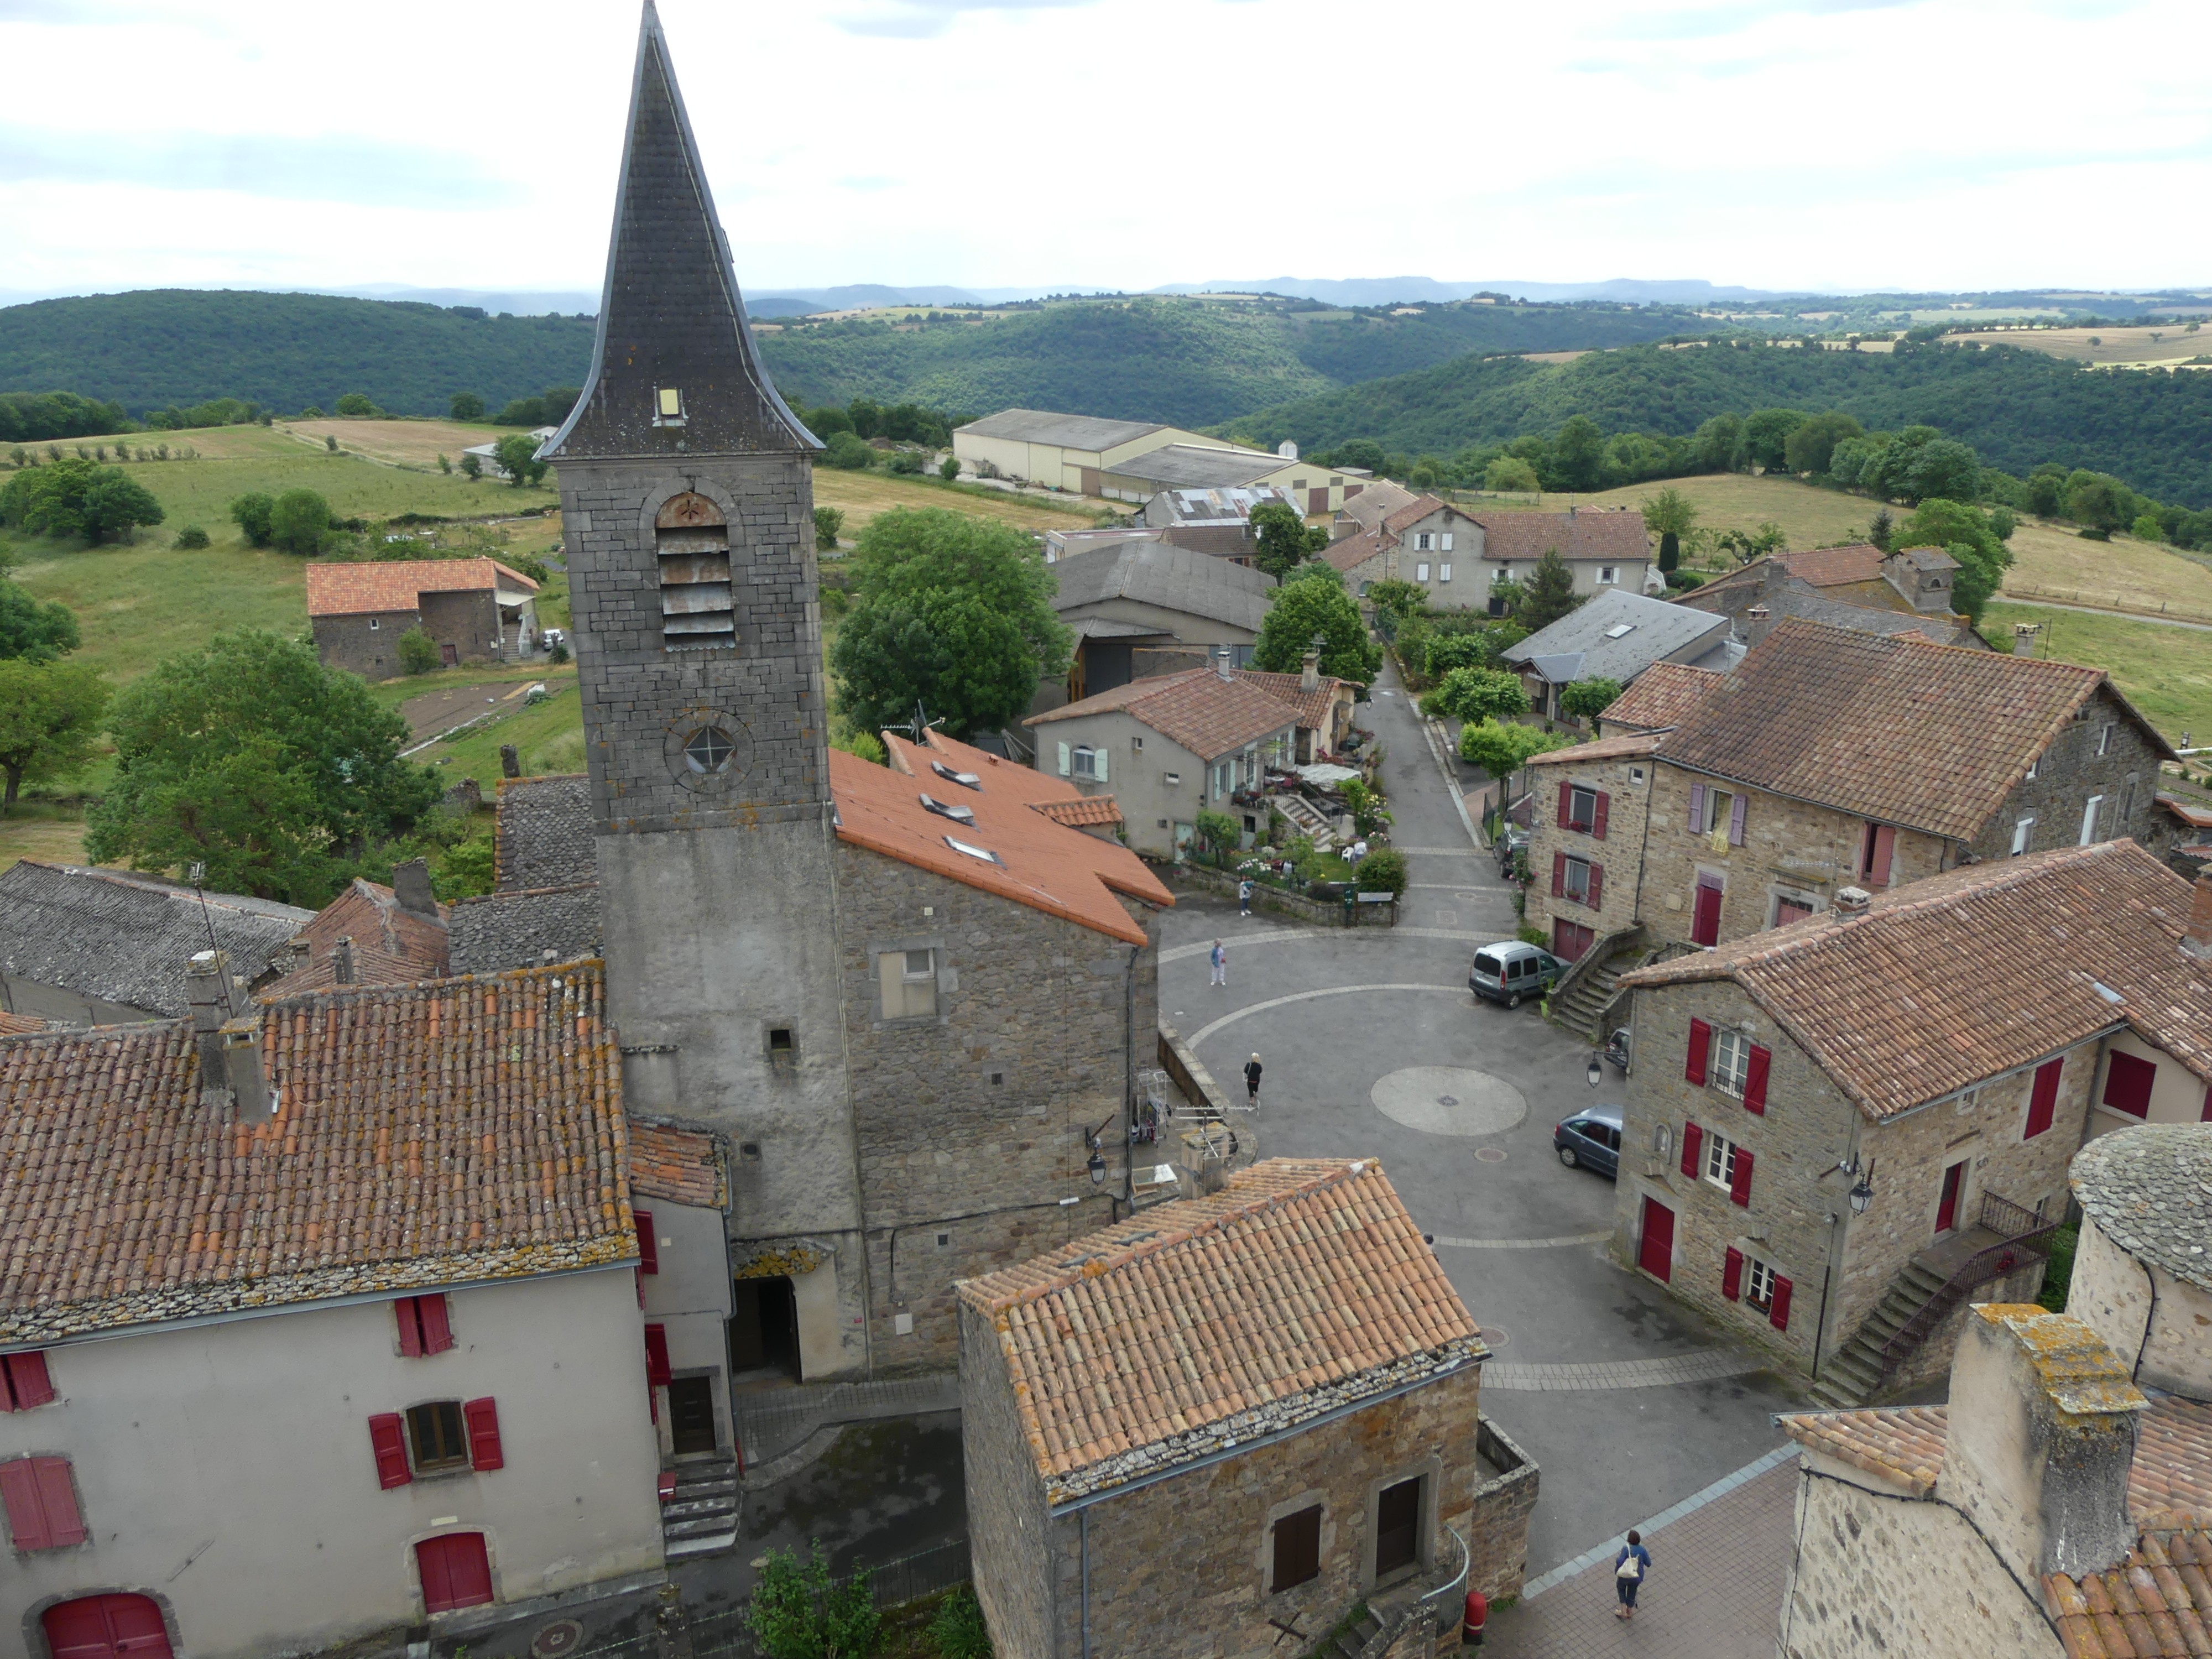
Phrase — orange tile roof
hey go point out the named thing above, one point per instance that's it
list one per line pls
(21, 1025)
(389, 585)
(679, 1165)
(1622, 746)
(1834, 567)
(1347, 553)
(1412, 514)
(1303, 1286)
(391, 946)
(1902, 1444)
(1661, 695)
(1091, 809)
(1584, 534)
(1892, 727)
(1046, 865)
(1206, 715)
(1955, 978)
(1314, 707)
(429, 1134)
(2158, 1605)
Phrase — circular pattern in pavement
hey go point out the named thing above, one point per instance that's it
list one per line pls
(1449, 1100)
(1497, 1336)
(1490, 1154)
(562, 1636)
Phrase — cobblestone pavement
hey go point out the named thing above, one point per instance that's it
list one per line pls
(1715, 1590)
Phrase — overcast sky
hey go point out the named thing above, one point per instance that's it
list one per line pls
(1119, 143)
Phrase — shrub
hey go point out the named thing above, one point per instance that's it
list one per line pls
(865, 745)
(949, 468)
(1587, 699)
(472, 465)
(958, 1630)
(418, 651)
(1502, 751)
(192, 537)
(828, 522)
(444, 466)
(1383, 870)
(558, 650)
(906, 462)
(467, 406)
(330, 441)
(300, 521)
(1220, 832)
(797, 1613)
(849, 453)
(356, 403)
(1478, 694)
(250, 513)
(2148, 529)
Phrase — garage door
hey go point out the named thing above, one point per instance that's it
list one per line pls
(107, 1627)
(456, 1571)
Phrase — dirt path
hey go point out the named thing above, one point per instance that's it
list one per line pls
(437, 711)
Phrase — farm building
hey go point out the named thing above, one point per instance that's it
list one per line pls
(473, 610)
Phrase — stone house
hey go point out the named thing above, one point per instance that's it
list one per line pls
(1135, 603)
(1834, 1130)
(1615, 636)
(1171, 747)
(1364, 509)
(371, 934)
(1455, 555)
(99, 947)
(1427, 542)
(1146, 1477)
(1588, 815)
(1660, 697)
(224, 1344)
(474, 611)
(1606, 550)
(1860, 587)
(2059, 1505)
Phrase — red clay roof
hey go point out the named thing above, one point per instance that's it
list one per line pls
(392, 947)
(679, 1165)
(1587, 533)
(20, 1024)
(1661, 695)
(1833, 567)
(1206, 715)
(388, 585)
(1313, 707)
(1091, 809)
(1046, 865)
(1412, 514)
(1347, 553)
(1302, 1285)
(2156, 1605)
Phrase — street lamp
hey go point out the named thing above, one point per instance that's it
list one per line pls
(1596, 1072)
(1097, 1168)
(1862, 1196)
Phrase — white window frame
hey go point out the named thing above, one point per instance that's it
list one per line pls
(1085, 761)
(1575, 862)
(2023, 831)
(2034, 766)
(1715, 817)
(1608, 576)
(1731, 1070)
(2090, 809)
(374, 624)
(1720, 1162)
(908, 992)
(1758, 1278)
(1423, 541)
(2105, 740)
(1444, 572)
(1421, 570)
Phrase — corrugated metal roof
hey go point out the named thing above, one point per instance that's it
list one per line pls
(1042, 426)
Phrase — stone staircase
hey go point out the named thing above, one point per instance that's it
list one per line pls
(1306, 819)
(1581, 1007)
(703, 1515)
(1854, 1374)
(1351, 1643)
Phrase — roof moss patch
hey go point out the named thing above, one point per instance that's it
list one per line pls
(2150, 1190)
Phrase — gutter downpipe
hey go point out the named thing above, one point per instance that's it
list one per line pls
(1083, 1529)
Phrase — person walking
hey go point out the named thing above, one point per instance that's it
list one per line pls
(1628, 1568)
(1220, 958)
(1244, 898)
(1252, 1081)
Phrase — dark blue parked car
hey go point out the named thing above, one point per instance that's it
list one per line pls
(1591, 1140)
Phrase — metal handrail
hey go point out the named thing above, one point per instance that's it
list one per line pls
(1466, 1562)
(2009, 1254)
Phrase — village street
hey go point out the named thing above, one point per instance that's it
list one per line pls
(1372, 1044)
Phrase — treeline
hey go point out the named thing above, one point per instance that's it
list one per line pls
(35, 417)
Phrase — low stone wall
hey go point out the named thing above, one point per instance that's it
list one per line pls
(1498, 1533)
(1265, 898)
(1180, 1062)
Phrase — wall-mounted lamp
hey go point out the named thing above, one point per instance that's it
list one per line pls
(1097, 1168)
(1862, 1196)
(1596, 1072)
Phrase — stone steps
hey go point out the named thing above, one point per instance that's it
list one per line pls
(1306, 819)
(1855, 1374)
(701, 1517)
(1351, 1644)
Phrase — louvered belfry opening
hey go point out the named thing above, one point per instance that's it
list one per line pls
(697, 611)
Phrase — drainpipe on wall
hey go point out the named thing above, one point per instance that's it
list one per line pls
(1082, 1530)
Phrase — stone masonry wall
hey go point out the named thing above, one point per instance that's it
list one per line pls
(970, 1125)
(1497, 1523)
(1877, 1573)
(1008, 1531)
(1627, 785)
(2069, 772)
(2117, 1294)
(1179, 1570)
(1809, 1127)
(363, 645)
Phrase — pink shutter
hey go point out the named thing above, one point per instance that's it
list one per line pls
(1694, 1137)
(437, 1326)
(1697, 809)
(1754, 1080)
(57, 1493)
(1558, 874)
(1780, 1317)
(1565, 793)
(410, 1327)
(388, 1436)
(1740, 1187)
(1597, 886)
(1885, 848)
(1701, 1045)
(27, 1512)
(648, 1247)
(483, 1418)
(2043, 1099)
(1732, 1274)
(1736, 819)
(27, 1384)
(656, 1354)
(1597, 819)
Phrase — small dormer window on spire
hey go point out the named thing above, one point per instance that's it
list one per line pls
(667, 406)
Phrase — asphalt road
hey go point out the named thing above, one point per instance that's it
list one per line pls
(1372, 1047)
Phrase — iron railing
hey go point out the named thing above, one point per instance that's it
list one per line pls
(2021, 1237)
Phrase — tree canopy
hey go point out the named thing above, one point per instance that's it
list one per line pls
(1314, 603)
(49, 715)
(1548, 594)
(39, 629)
(1285, 541)
(1587, 699)
(1477, 694)
(1502, 751)
(77, 497)
(1968, 535)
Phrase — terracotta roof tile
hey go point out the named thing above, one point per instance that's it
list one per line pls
(1903, 1445)
(1892, 727)
(1661, 697)
(1302, 1286)
(1347, 553)
(426, 1134)
(1955, 978)
(1619, 747)
(1834, 567)
(1587, 533)
(679, 1165)
(1404, 518)
(389, 585)
(1084, 809)
(1206, 715)
(391, 946)
(2158, 1605)
(1313, 707)
(21, 1025)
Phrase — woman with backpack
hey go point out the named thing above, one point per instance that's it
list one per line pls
(1628, 1570)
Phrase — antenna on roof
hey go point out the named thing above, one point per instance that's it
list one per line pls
(918, 728)
(196, 872)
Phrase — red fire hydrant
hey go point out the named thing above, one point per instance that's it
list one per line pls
(1478, 1615)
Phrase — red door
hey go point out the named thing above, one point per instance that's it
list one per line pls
(1705, 918)
(1316, 502)
(1947, 1212)
(1569, 939)
(1656, 1253)
(456, 1571)
(107, 1627)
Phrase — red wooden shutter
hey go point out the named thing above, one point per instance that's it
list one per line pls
(1597, 819)
(26, 1382)
(1754, 1079)
(27, 1514)
(1740, 1187)
(1565, 792)
(2206, 1115)
(656, 1354)
(387, 1434)
(1692, 1138)
(2043, 1099)
(1780, 1317)
(1732, 1274)
(1597, 886)
(1885, 848)
(1558, 874)
(1736, 819)
(648, 1247)
(410, 1327)
(483, 1418)
(64, 1525)
(2128, 1082)
(437, 1327)
(1701, 1044)
(456, 1571)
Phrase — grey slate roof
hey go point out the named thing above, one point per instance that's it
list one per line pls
(124, 938)
(2150, 1189)
(1184, 466)
(1657, 630)
(1796, 599)
(501, 931)
(545, 832)
(1042, 426)
(1222, 504)
(1173, 578)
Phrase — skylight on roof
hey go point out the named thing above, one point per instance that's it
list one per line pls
(966, 780)
(957, 814)
(974, 851)
(1619, 630)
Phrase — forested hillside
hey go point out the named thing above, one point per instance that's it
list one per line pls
(284, 351)
(2018, 408)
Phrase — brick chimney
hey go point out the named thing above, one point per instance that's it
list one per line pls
(1852, 902)
(411, 885)
(2197, 938)
(2042, 1436)
(1309, 671)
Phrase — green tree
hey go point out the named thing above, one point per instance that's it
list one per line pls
(1477, 694)
(1966, 533)
(251, 512)
(828, 522)
(1502, 751)
(191, 539)
(849, 451)
(1588, 699)
(1363, 452)
(948, 469)
(1940, 467)
(472, 465)
(1407, 599)
(1749, 545)
(1218, 834)
(34, 628)
(1715, 446)
(1285, 541)
(418, 651)
(798, 1612)
(300, 521)
(1313, 603)
(356, 403)
(951, 611)
(1669, 512)
(250, 756)
(1577, 455)
(2148, 529)
(1383, 870)
(2094, 500)
(1767, 436)
(466, 406)
(2046, 490)
(77, 497)
(1882, 529)
(1811, 446)
(1549, 593)
(49, 715)
(516, 453)
(1510, 472)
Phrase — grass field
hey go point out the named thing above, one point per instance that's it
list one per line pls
(2170, 343)
(37, 829)
(864, 495)
(2167, 673)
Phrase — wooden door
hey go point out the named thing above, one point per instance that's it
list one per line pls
(692, 1413)
(1569, 939)
(1706, 917)
(1946, 1211)
(107, 1627)
(456, 1571)
(1398, 1527)
(1656, 1253)
(450, 655)
(1789, 910)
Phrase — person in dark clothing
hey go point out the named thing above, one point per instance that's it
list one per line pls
(1628, 1568)
(1252, 1081)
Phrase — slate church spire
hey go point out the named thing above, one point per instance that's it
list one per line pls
(674, 369)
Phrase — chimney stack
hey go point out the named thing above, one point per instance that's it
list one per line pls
(510, 763)
(2197, 938)
(1852, 901)
(244, 1070)
(2023, 639)
(1309, 671)
(342, 962)
(1224, 661)
(411, 885)
(1758, 623)
(205, 994)
(2042, 1437)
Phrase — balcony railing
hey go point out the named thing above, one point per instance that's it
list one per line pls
(2022, 1237)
